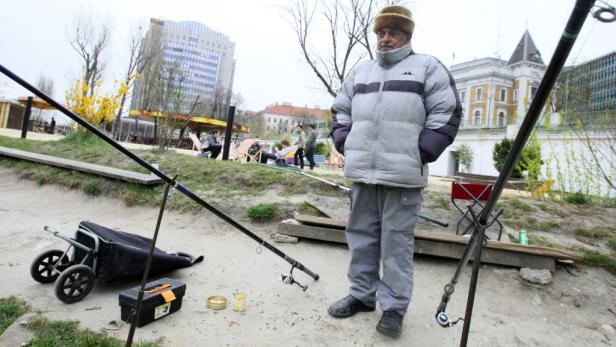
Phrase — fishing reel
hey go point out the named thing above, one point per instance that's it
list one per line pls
(287, 278)
(605, 14)
(442, 318)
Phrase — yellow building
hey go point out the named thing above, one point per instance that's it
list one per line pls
(496, 93)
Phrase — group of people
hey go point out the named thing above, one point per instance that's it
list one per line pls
(304, 146)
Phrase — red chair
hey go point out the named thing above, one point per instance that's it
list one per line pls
(475, 194)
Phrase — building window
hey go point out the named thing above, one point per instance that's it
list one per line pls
(462, 96)
(503, 94)
(533, 91)
(479, 94)
(477, 119)
(515, 95)
(501, 119)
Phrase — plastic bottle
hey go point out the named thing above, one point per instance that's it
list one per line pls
(523, 237)
(240, 302)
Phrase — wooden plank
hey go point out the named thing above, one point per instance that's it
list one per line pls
(488, 256)
(312, 232)
(429, 247)
(457, 239)
(321, 221)
(125, 175)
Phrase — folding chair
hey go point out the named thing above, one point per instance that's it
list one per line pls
(241, 154)
(475, 193)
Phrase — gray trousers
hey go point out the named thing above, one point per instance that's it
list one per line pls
(381, 228)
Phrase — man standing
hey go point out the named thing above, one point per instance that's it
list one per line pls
(311, 145)
(298, 157)
(392, 116)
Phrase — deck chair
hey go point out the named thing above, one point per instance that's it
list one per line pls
(196, 142)
(474, 193)
(241, 153)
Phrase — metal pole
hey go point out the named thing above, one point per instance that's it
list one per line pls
(189, 194)
(228, 133)
(26, 118)
(567, 39)
(146, 272)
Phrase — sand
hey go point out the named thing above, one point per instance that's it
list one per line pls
(508, 311)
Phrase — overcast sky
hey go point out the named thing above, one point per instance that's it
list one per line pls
(33, 38)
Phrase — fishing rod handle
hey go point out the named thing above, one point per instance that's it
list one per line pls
(295, 264)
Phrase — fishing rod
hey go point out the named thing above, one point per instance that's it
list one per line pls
(346, 189)
(481, 222)
(262, 243)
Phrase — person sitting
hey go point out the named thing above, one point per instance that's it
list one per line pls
(279, 155)
(212, 145)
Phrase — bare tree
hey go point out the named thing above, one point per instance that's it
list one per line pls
(596, 130)
(138, 59)
(89, 37)
(46, 85)
(348, 25)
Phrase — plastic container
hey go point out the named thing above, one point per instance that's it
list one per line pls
(161, 298)
(239, 305)
(523, 237)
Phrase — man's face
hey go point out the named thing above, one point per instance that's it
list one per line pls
(388, 39)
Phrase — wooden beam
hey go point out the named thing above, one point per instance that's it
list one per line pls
(125, 175)
(457, 239)
(431, 247)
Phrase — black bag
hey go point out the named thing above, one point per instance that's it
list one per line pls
(254, 148)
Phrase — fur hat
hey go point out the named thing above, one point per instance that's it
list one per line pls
(395, 17)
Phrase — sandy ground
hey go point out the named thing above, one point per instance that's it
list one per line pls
(508, 311)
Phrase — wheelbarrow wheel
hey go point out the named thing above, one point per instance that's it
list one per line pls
(74, 283)
(42, 268)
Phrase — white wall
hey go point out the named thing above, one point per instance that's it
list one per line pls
(565, 158)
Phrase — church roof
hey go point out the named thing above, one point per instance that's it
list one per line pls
(526, 51)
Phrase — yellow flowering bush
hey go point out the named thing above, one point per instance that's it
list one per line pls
(94, 107)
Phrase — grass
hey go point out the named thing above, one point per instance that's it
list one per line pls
(595, 233)
(595, 258)
(262, 212)
(55, 333)
(66, 333)
(305, 208)
(442, 202)
(11, 308)
(518, 204)
(209, 179)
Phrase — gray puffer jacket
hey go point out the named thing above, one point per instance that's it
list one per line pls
(393, 116)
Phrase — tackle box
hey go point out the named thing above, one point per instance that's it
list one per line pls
(160, 298)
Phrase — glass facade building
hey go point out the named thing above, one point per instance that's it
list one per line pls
(204, 58)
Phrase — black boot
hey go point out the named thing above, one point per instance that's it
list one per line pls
(347, 307)
(390, 324)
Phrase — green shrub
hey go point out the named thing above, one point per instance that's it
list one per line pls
(611, 243)
(262, 212)
(92, 188)
(578, 198)
(529, 160)
(322, 149)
